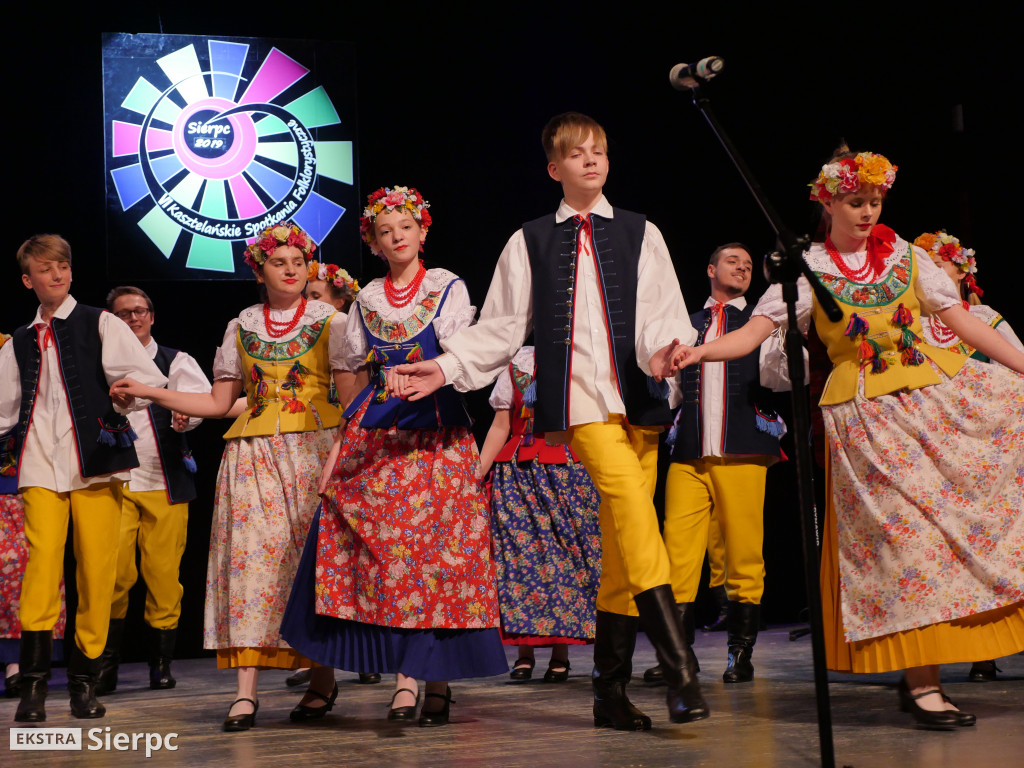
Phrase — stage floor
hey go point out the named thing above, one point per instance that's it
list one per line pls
(765, 724)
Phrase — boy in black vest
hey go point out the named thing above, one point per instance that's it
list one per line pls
(596, 286)
(727, 437)
(74, 452)
(154, 504)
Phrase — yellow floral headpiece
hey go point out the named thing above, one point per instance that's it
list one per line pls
(850, 173)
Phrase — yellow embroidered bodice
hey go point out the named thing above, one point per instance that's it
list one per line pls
(286, 383)
(880, 332)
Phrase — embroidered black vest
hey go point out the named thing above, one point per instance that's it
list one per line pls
(746, 401)
(79, 354)
(172, 446)
(551, 247)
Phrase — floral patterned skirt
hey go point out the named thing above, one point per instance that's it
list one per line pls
(404, 538)
(265, 500)
(13, 559)
(547, 551)
(927, 489)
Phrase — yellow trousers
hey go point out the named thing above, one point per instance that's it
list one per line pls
(622, 461)
(157, 527)
(732, 489)
(97, 518)
(716, 552)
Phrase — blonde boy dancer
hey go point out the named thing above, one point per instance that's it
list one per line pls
(74, 452)
(597, 287)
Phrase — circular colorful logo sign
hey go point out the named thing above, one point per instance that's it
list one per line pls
(216, 156)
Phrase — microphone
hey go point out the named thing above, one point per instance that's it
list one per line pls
(684, 77)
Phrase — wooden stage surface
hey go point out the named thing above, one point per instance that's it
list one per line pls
(769, 723)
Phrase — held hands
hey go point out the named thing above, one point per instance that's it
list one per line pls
(414, 381)
(685, 356)
(671, 358)
(179, 421)
(124, 391)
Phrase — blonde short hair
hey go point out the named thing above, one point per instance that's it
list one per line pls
(44, 248)
(568, 130)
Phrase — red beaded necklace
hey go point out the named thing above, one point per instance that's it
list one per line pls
(276, 329)
(857, 276)
(399, 297)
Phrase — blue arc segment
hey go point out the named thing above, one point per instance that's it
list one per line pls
(317, 216)
(165, 167)
(272, 182)
(130, 184)
(227, 57)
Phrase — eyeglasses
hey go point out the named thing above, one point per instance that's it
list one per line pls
(126, 314)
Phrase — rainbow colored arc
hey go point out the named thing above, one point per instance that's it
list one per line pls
(250, 177)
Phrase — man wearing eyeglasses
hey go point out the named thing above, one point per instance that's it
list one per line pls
(154, 504)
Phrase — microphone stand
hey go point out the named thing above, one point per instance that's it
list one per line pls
(784, 266)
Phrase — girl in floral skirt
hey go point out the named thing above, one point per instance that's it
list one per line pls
(924, 530)
(397, 573)
(544, 530)
(282, 353)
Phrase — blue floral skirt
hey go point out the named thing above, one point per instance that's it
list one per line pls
(547, 551)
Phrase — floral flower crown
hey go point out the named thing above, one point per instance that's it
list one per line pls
(390, 199)
(274, 237)
(335, 275)
(944, 246)
(848, 174)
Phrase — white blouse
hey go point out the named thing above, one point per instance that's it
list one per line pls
(456, 312)
(933, 287)
(226, 363)
(503, 394)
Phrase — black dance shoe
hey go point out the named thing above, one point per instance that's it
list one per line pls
(299, 677)
(403, 714)
(439, 717)
(369, 678)
(983, 672)
(557, 671)
(927, 719)
(303, 712)
(522, 674)
(12, 686)
(241, 722)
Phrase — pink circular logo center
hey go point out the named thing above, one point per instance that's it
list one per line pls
(214, 149)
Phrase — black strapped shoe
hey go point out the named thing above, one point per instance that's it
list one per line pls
(665, 631)
(520, 674)
(927, 719)
(83, 675)
(744, 620)
(983, 671)
(406, 713)
(161, 653)
(304, 712)
(234, 723)
(614, 643)
(34, 662)
(440, 716)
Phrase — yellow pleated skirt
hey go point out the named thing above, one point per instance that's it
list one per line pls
(982, 636)
(263, 658)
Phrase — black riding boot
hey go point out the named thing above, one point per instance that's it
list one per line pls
(722, 601)
(34, 661)
(744, 619)
(664, 630)
(110, 659)
(655, 675)
(83, 673)
(161, 653)
(614, 643)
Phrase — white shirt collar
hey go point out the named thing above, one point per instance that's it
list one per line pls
(62, 312)
(602, 208)
(151, 347)
(739, 303)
